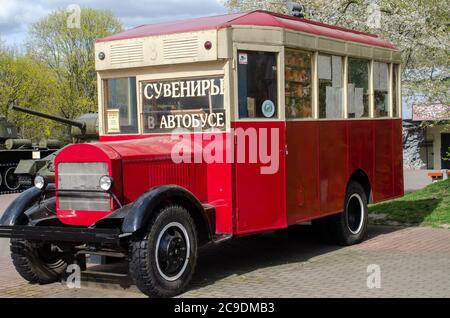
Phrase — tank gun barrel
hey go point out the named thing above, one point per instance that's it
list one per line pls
(80, 125)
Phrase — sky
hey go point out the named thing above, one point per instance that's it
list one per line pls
(17, 15)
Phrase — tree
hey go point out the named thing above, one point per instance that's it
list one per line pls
(420, 29)
(32, 85)
(69, 54)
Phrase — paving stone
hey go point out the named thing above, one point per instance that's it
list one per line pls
(414, 262)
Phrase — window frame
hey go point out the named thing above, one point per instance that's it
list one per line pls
(103, 90)
(344, 61)
(396, 88)
(314, 55)
(372, 79)
(279, 51)
(369, 87)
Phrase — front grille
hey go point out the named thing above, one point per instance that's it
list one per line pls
(83, 176)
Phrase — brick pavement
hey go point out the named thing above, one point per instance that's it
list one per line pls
(292, 263)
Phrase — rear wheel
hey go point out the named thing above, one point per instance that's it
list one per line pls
(39, 263)
(348, 227)
(163, 258)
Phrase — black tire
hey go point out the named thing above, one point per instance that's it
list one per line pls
(173, 228)
(10, 180)
(350, 226)
(37, 262)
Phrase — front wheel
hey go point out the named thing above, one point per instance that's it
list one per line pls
(39, 263)
(163, 258)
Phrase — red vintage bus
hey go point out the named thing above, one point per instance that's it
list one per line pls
(215, 128)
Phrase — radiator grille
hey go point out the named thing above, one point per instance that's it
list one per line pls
(82, 176)
(127, 53)
(181, 48)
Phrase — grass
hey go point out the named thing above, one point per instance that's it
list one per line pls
(429, 206)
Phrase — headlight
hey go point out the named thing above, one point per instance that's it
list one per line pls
(106, 183)
(39, 182)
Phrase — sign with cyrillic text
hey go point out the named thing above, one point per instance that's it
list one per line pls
(193, 104)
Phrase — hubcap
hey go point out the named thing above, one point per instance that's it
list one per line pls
(50, 255)
(355, 213)
(172, 251)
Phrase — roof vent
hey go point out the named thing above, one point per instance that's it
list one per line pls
(179, 48)
(127, 53)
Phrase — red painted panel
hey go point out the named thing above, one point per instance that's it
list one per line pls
(384, 172)
(322, 155)
(360, 147)
(260, 198)
(146, 162)
(333, 165)
(302, 170)
(151, 174)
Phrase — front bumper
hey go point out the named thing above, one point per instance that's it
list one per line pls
(57, 234)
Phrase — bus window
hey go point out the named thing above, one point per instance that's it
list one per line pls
(195, 104)
(298, 84)
(358, 88)
(395, 81)
(257, 84)
(330, 86)
(120, 108)
(381, 89)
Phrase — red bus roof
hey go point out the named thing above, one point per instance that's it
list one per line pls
(255, 18)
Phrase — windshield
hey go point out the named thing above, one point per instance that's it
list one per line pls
(195, 104)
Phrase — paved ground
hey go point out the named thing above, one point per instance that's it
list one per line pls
(413, 262)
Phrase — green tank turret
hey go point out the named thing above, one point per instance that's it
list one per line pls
(83, 129)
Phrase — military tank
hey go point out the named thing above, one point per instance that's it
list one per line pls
(13, 149)
(83, 129)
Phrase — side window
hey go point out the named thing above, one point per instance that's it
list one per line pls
(395, 89)
(358, 88)
(257, 84)
(298, 84)
(120, 106)
(381, 89)
(330, 73)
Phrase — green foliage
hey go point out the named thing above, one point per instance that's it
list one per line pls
(57, 74)
(429, 206)
(32, 85)
(69, 54)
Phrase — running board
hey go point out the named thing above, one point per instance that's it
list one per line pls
(219, 238)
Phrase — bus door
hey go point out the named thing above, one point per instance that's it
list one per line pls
(259, 144)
